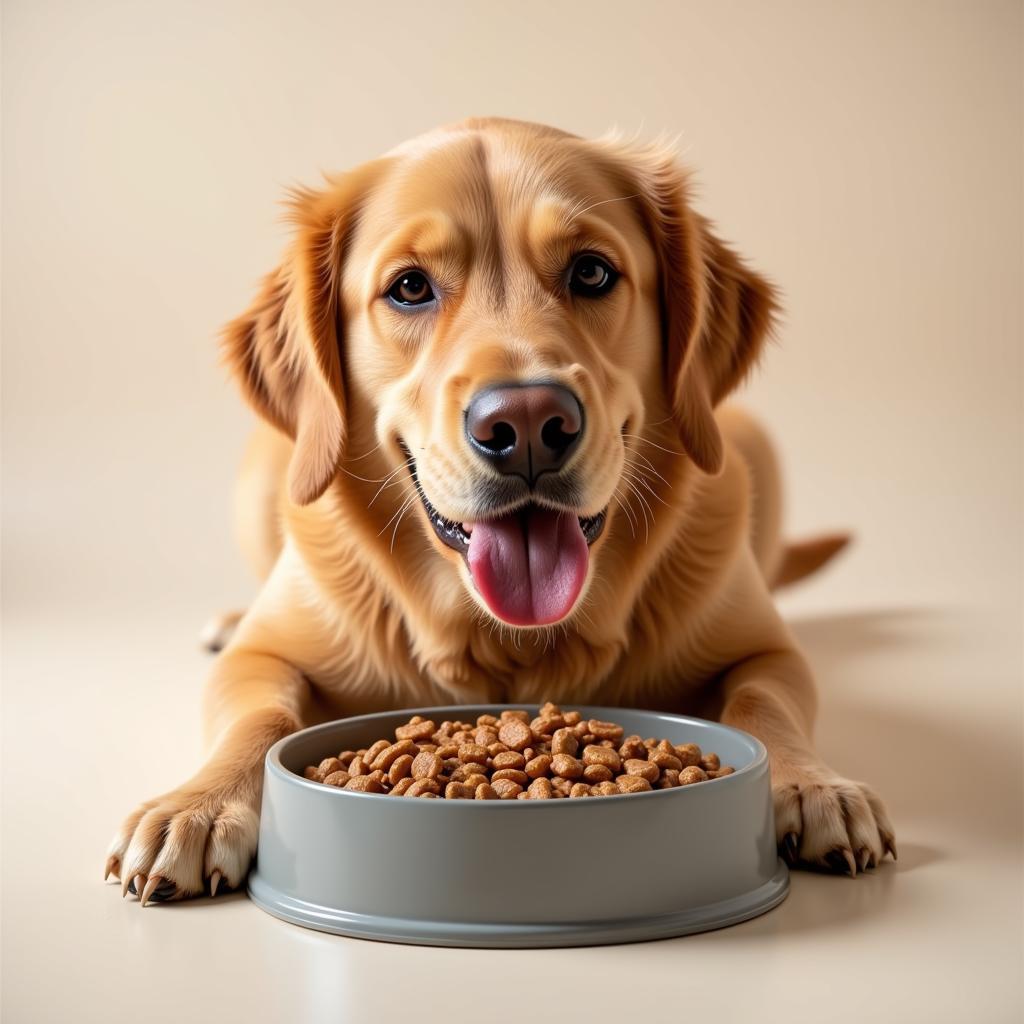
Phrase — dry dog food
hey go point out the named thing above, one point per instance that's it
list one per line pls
(513, 757)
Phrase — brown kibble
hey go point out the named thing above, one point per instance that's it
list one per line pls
(506, 789)
(447, 750)
(370, 756)
(692, 774)
(509, 759)
(515, 734)
(358, 766)
(594, 773)
(566, 766)
(364, 784)
(485, 735)
(604, 789)
(400, 768)
(632, 784)
(663, 761)
(540, 789)
(572, 718)
(496, 748)
(578, 790)
(689, 754)
(538, 766)
(564, 742)
(346, 756)
(549, 710)
(400, 787)
(426, 766)
(328, 766)
(594, 754)
(472, 753)
(486, 720)
(722, 772)
(416, 731)
(485, 791)
(710, 763)
(422, 786)
(669, 779)
(581, 729)
(474, 779)
(561, 787)
(606, 730)
(310, 773)
(515, 716)
(338, 779)
(458, 791)
(386, 757)
(513, 775)
(643, 769)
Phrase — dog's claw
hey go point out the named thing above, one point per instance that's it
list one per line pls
(113, 867)
(127, 886)
(865, 858)
(842, 861)
(137, 884)
(790, 848)
(214, 882)
(890, 847)
(152, 882)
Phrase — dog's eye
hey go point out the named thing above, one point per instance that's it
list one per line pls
(411, 289)
(591, 277)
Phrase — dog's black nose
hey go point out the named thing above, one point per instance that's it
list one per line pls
(525, 429)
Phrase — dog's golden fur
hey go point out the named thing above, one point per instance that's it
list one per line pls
(362, 608)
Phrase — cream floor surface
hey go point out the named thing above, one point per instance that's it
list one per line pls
(920, 700)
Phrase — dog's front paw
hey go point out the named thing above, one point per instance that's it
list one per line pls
(192, 840)
(830, 823)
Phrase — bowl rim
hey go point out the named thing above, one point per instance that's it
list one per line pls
(274, 765)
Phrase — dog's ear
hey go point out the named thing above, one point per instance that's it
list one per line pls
(285, 350)
(715, 311)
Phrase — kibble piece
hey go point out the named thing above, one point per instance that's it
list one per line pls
(606, 730)
(447, 750)
(364, 784)
(572, 718)
(689, 754)
(549, 710)
(345, 757)
(594, 754)
(540, 789)
(328, 766)
(416, 731)
(538, 766)
(644, 769)
(564, 742)
(509, 759)
(512, 775)
(486, 720)
(692, 774)
(632, 784)
(358, 766)
(506, 789)
(663, 760)
(515, 716)
(457, 791)
(566, 766)
(421, 786)
(578, 790)
(710, 763)
(594, 773)
(515, 734)
(311, 773)
(668, 779)
(581, 729)
(722, 772)
(604, 789)
(426, 766)
(473, 753)
(338, 779)
(374, 750)
(400, 768)
(386, 757)
(399, 788)
(485, 791)
(474, 780)
(485, 735)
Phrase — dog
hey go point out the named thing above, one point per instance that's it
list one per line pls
(494, 464)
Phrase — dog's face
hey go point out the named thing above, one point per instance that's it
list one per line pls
(506, 309)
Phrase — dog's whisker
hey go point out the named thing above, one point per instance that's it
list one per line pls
(408, 500)
(650, 465)
(394, 532)
(385, 484)
(628, 514)
(638, 477)
(670, 451)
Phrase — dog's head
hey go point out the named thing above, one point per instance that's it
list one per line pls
(503, 313)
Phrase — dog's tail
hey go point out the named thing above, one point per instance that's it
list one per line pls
(801, 558)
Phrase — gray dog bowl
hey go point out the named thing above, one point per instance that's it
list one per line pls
(507, 873)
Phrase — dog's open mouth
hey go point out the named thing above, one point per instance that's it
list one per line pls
(529, 564)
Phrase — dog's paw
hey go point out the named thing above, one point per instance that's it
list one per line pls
(186, 842)
(830, 823)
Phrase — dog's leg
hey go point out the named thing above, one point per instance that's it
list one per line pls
(202, 834)
(821, 819)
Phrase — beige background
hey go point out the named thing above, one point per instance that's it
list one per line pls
(866, 155)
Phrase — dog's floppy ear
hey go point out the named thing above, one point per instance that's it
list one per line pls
(716, 312)
(286, 348)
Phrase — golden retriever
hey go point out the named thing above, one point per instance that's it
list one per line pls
(493, 466)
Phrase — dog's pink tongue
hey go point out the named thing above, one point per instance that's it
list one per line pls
(529, 566)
